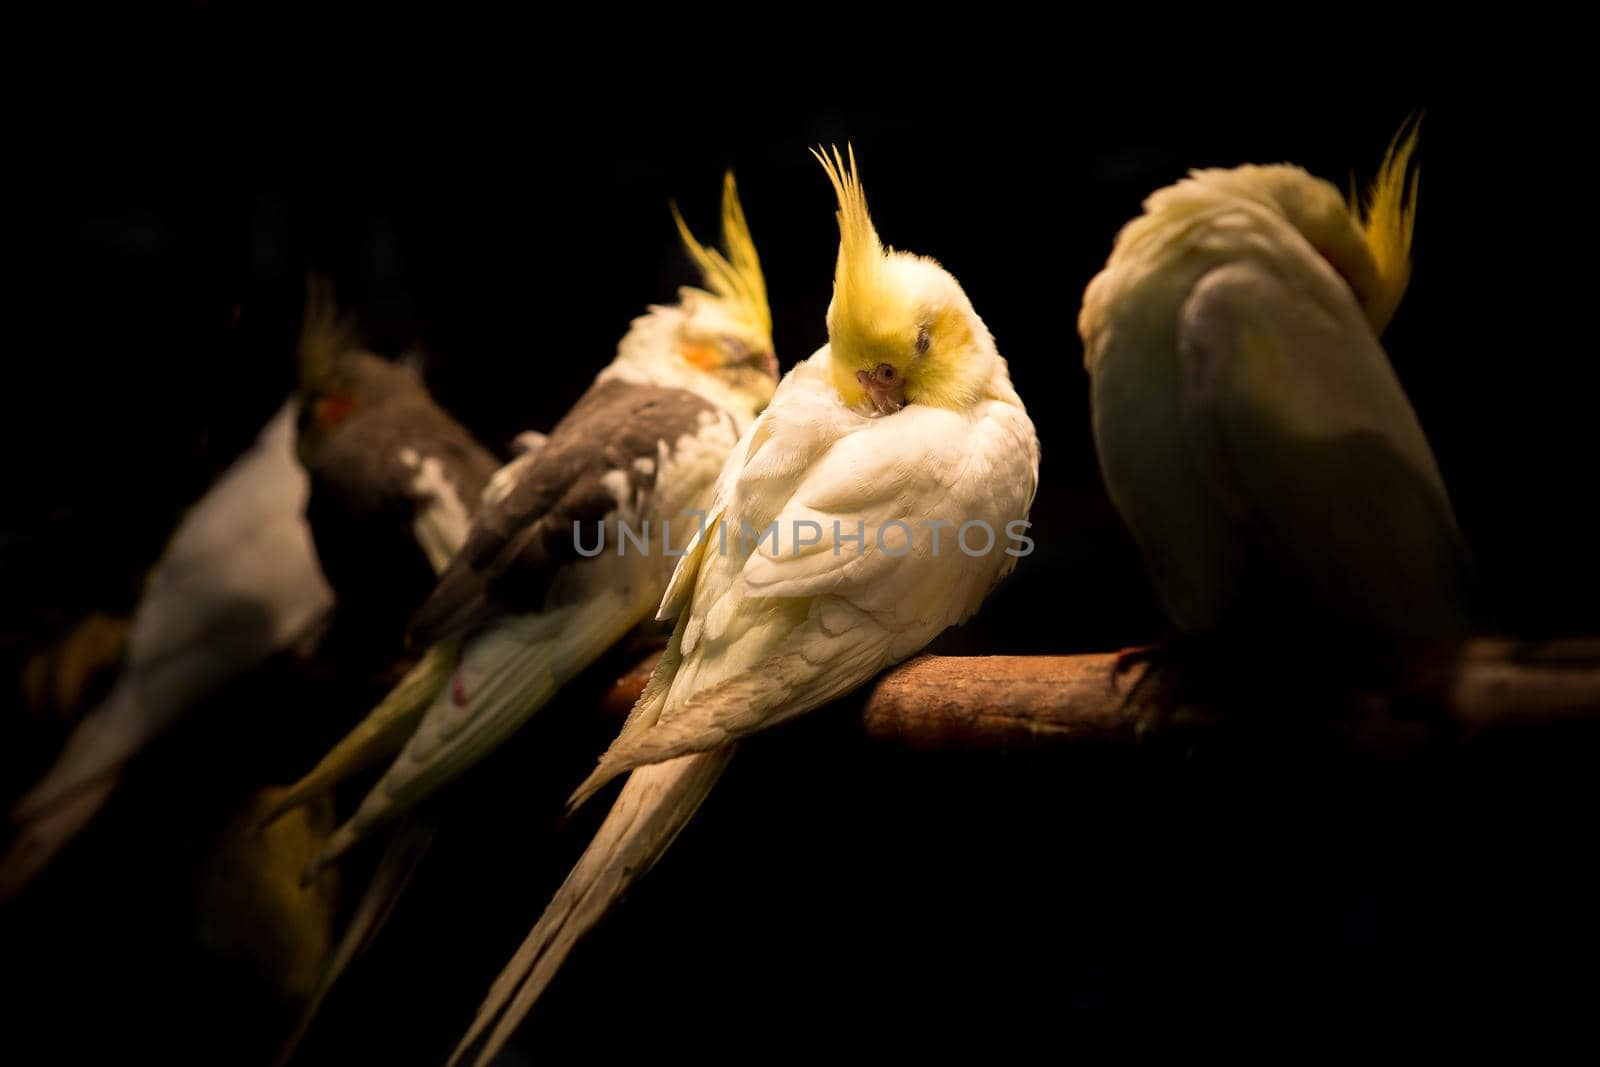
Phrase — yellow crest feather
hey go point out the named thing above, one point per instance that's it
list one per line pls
(325, 333)
(875, 316)
(860, 251)
(735, 277)
(1389, 218)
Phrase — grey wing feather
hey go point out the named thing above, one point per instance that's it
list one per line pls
(603, 451)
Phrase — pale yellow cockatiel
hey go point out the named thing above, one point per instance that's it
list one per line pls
(907, 416)
(1250, 427)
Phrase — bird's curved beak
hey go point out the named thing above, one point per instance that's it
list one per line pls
(888, 397)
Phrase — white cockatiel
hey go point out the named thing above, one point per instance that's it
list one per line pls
(1251, 429)
(528, 603)
(905, 426)
(238, 583)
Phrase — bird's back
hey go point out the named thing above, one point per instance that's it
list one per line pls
(1254, 437)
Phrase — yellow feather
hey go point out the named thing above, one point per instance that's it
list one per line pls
(859, 247)
(736, 277)
(325, 333)
(1389, 219)
(857, 284)
(873, 318)
(742, 254)
(858, 307)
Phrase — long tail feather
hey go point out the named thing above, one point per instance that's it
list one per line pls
(96, 750)
(382, 733)
(502, 677)
(38, 841)
(405, 851)
(654, 806)
(519, 684)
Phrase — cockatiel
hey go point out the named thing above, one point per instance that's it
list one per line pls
(387, 478)
(520, 611)
(238, 583)
(1251, 429)
(394, 479)
(906, 423)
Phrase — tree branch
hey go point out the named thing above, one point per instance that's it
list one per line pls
(986, 702)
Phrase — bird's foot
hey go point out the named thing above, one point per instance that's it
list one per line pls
(1136, 656)
(1161, 679)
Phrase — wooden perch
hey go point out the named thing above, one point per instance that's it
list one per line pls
(1001, 701)
(986, 702)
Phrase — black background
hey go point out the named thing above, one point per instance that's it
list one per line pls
(831, 892)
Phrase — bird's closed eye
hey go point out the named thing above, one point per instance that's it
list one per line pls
(922, 341)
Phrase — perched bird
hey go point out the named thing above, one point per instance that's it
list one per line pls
(361, 469)
(238, 583)
(521, 610)
(1250, 428)
(905, 426)
(394, 480)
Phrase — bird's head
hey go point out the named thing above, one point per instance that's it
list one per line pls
(355, 381)
(337, 378)
(900, 329)
(724, 330)
(1367, 242)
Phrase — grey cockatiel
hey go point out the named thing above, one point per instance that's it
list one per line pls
(521, 610)
(1251, 429)
(394, 480)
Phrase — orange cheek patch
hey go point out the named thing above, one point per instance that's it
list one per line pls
(334, 409)
(700, 355)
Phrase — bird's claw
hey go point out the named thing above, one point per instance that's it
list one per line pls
(1148, 656)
